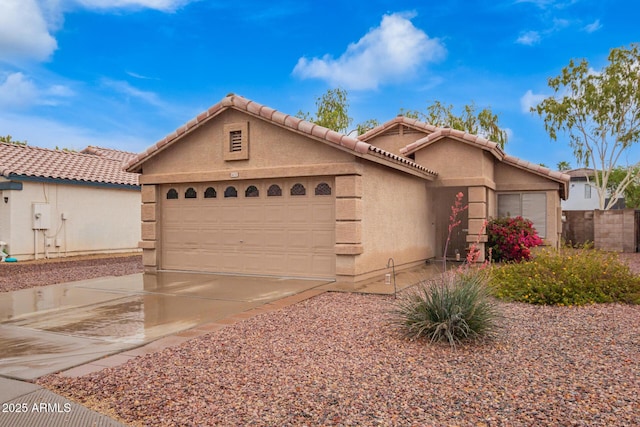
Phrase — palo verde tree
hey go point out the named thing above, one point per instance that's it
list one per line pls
(600, 112)
(483, 122)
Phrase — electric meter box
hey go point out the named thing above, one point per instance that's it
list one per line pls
(41, 216)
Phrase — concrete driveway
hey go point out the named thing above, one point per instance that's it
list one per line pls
(53, 328)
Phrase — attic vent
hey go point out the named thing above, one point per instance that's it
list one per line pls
(235, 138)
(236, 146)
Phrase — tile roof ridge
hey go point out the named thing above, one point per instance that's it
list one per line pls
(464, 136)
(117, 150)
(399, 119)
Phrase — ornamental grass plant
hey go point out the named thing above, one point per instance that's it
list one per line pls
(567, 276)
(453, 307)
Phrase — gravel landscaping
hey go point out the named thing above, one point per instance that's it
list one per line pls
(334, 360)
(29, 274)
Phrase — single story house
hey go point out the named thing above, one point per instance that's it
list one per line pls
(245, 189)
(57, 203)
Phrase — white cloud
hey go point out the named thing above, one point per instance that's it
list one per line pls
(18, 91)
(47, 133)
(530, 100)
(130, 91)
(529, 38)
(23, 32)
(394, 50)
(163, 5)
(593, 27)
(547, 4)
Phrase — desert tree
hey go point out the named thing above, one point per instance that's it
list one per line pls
(600, 113)
(484, 122)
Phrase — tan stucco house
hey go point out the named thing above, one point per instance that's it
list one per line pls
(56, 203)
(245, 189)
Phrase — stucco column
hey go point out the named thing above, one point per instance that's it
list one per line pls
(477, 219)
(348, 224)
(149, 227)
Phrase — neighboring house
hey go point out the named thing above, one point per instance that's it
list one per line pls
(245, 189)
(584, 194)
(57, 203)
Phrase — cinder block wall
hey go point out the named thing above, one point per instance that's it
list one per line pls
(577, 228)
(614, 230)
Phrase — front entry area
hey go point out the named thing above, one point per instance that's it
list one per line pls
(273, 227)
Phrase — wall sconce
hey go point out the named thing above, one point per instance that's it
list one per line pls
(6, 200)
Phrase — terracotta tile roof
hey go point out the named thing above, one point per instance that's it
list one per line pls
(36, 162)
(494, 149)
(440, 133)
(354, 145)
(580, 173)
(399, 120)
(109, 153)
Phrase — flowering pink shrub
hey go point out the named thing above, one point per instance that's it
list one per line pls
(510, 239)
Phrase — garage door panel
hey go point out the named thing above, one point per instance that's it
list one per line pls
(274, 235)
(253, 240)
(190, 238)
(298, 214)
(275, 214)
(190, 214)
(253, 214)
(299, 263)
(323, 239)
(230, 238)
(210, 239)
(321, 211)
(298, 239)
(230, 214)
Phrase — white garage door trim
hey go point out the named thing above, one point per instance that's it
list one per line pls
(270, 227)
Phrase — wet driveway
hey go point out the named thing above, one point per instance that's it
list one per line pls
(52, 328)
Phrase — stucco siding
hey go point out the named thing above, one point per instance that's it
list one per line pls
(458, 163)
(200, 155)
(398, 220)
(392, 141)
(510, 178)
(98, 220)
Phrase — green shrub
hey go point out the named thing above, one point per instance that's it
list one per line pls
(452, 308)
(567, 277)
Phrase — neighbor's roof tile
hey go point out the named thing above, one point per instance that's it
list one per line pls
(93, 164)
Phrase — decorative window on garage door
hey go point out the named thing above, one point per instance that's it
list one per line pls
(190, 193)
(172, 194)
(323, 189)
(210, 193)
(298, 190)
(230, 192)
(274, 191)
(252, 191)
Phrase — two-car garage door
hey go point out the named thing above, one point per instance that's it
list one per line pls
(276, 227)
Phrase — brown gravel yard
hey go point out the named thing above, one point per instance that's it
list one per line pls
(333, 360)
(29, 274)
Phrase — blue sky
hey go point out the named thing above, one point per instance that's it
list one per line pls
(124, 73)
